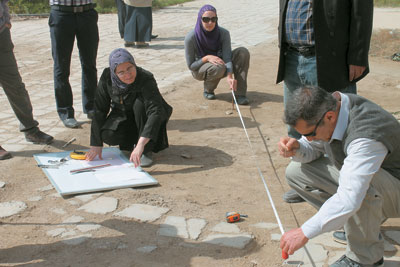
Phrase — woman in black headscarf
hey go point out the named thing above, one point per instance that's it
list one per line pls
(138, 116)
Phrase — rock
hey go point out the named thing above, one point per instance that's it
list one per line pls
(186, 156)
(73, 219)
(225, 227)
(229, 240)
(146, 249)
(55, 232)
(101, 205)
(88, 227)
(142, 212)
(11, 208)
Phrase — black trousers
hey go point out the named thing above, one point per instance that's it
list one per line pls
(64, 27)
(128, 132)
(121, 16)
(14, 88)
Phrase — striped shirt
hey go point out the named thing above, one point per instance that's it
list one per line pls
(70, 2)
(298, 24)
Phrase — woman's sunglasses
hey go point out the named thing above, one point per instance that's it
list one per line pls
(208, 19)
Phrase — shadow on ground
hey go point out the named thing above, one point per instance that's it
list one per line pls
(127, 244)
(193, 158)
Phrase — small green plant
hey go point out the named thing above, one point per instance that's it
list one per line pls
(387, 3)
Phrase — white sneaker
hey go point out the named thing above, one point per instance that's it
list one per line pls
(146, 159)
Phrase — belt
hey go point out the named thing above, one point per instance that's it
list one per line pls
(306, 51)
(74, 9)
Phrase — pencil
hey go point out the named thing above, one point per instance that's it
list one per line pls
(89, 168)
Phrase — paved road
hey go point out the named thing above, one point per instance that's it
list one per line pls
(249, 21)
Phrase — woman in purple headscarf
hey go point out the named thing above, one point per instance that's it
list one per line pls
(139, 114)
(210, 58)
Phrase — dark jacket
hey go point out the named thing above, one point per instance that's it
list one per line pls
(145, 88)
(342, 31)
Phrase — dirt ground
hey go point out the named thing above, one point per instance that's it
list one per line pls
(217, 174)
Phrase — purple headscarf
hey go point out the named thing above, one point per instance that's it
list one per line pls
(119, 56)
(208, 43)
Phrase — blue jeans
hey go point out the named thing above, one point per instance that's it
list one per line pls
(302, 71)
(64, 28)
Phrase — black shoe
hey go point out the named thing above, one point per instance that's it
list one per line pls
(129, 44)
(38, 137)
(242, 100)
(344, 261)
(154, 36)
(340, 237)
(291, 196)
(209, 96)
(70, 123)
(90, 114)
(4, 154)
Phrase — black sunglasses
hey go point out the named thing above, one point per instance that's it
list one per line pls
(314, 133)
(208, 19)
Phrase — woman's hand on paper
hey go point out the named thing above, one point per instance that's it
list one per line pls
(93, 152)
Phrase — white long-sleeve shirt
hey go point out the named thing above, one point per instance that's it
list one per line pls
(364, 159)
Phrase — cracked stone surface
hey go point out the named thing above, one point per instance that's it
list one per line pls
(174, 226)
(146, 249)
(88, 227)
(11, 208)
(229, 240)
(195, 226)
(143, 212)
(225, 227)
(101, 205)
(73, 219)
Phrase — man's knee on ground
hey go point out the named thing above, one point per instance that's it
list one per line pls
(292, 173)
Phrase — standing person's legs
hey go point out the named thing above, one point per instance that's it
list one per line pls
(121, 16)
(62, 33)
(299, 71)
(143, 26)
(88, 40)
(14, 88)
(241, 62)
(130, 31)
(352, 89)
(211, 75)
(17, 95)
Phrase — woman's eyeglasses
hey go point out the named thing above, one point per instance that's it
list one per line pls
(208, 19)
(123, 73)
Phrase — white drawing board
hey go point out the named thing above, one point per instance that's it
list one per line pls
(120, 174)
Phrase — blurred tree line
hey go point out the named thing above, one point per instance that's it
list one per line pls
(103, 6)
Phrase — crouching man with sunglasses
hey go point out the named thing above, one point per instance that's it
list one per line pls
(210, 58)
(347, 165)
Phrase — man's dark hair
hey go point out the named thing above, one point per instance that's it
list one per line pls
(309, 104)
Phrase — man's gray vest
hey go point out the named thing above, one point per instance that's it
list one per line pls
(368, 120)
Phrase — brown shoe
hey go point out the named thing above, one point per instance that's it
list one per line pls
(4, 154)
